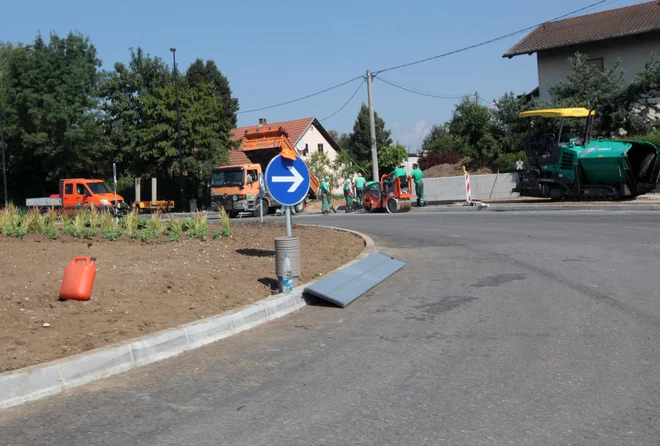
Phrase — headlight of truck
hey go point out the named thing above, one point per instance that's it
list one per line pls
(105, 202)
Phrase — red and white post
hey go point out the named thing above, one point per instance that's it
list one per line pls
(468, 191)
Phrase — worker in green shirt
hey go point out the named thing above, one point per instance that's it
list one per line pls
(418, 179)
(325, 195)
(396, 173)
(348, 194)
(359, 187)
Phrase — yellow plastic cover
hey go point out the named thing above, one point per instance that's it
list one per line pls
(558, 113)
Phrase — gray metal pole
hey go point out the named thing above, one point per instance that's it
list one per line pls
(372, 125)
(178, 129)
(287, 216)
(4, 165)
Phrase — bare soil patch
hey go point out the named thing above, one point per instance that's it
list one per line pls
(142, 288)
(456, 170)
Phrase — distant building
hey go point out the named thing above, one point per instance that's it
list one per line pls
(629, 34)
(307, 136)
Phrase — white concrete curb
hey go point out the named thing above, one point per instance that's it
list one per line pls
(41, 380)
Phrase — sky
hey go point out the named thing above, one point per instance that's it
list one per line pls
(273, 51)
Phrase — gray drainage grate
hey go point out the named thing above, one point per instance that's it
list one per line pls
(343, 287)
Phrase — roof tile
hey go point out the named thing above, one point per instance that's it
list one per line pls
(630, 20)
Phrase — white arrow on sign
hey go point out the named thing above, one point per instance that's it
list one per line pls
(295, 180)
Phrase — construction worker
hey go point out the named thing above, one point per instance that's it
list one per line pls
(348, 194)
(418, 178)
(396, 173)
(359, 187)
(325, 195)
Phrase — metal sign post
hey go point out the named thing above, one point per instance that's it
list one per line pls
(114, 177)
(262, 193)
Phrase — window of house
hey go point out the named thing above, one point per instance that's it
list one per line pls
(305, 151)
(320, 147)
(68, 189)
(598, 63)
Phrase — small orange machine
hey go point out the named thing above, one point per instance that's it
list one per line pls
(394, 197)
(78, 279)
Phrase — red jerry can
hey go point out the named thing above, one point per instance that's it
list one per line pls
(78, 279)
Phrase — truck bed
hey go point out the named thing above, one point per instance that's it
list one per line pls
(43, 202)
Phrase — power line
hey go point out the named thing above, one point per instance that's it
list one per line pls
(491, 40)
(431, 95)
(419, 92)
(346, 103)
(301, 98)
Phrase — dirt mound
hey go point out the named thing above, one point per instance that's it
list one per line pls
(456, 170)
(142, 288)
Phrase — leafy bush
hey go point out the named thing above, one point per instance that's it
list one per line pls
(51, 233)
(507, 161)
(429, 160)
(145, 235)
(89, 233)
(215, 234)
(21, 232)
(653, 138)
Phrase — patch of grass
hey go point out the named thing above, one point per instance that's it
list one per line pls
(66, 219)
(224, 220)
(10, 218)
(145, 235)
(82, 218)
(107, 222)
(52, 232)
(52, 216)
(8, 231)
(93, 216)
(109, 234)
(156, 226)
(200, 225)
(131, 222)
(89, 233)
(21, 231)
(175, 225)
(34, 221)
(79, 223)
(215, 234)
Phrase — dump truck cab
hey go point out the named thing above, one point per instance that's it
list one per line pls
(236, 188)
(575, 166)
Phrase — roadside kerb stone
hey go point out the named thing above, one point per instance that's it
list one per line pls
(529, 208)
(42, 380)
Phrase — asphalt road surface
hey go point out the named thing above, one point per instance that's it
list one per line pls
(504, 328)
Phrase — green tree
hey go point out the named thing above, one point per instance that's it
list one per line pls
(200, 73)
(644, 89)
(604, 91)
(391, 156)
(440, 140)
(140, 120)
(51, 113)
(319, 165)
(471, 122)
(359, 142)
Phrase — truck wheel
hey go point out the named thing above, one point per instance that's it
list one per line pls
(300, 207)
(258, 205)
(556, 194)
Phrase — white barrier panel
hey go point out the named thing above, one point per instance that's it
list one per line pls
(483, 187)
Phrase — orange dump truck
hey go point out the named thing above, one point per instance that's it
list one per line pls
(236, 188)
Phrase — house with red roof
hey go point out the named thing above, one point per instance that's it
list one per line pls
(629, 34)
(306, 135)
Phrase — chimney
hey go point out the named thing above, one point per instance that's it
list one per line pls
(262, 121)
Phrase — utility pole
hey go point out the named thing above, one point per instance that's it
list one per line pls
(178, 130)
(476, 97)
(4, 165)
(372, 122)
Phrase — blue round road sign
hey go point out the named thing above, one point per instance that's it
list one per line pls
(287, 180)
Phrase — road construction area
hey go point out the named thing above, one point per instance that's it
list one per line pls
(504, 328)
(141, 288)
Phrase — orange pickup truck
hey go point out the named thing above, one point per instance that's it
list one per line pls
(236, 188)
(80, 192)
